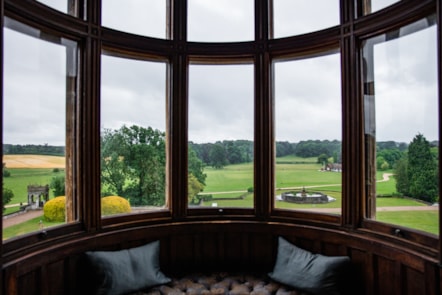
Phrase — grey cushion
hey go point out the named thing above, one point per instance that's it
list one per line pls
(313, 273)
(119, 272)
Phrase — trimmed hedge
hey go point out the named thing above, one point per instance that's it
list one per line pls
(114, 205)
(54, 210)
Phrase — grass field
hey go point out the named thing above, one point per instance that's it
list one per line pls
(29, 170)
(228, 184)
(292, 172)
(26, 227)
(22, 177)
(426, 221)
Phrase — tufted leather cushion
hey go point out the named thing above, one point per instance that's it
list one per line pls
(223, 284)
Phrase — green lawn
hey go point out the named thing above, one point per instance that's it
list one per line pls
(22, 177)
(292, 173)
(295, 175)
(385, 187)
(29, 226)
(237, 177)
(422, 220)
(397, 201)
(247, 202)
(10, 210)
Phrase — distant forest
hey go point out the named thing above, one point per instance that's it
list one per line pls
(235, 151)
(241, 151)
(33, 149)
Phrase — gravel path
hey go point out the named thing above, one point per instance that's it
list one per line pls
(21, 217)
(378, 209)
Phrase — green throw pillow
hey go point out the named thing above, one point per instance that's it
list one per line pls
(314, 273)
(120, 272)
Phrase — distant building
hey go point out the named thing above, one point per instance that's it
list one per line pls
(37, 196)
(334, 167)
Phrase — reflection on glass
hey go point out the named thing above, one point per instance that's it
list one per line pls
(402, 128)
(146, 18)
(220, 136)
(133, 136)
(375, 5)
(308, 134)
(38, 82)
(220, 21)
(60, 5)
(303, 16)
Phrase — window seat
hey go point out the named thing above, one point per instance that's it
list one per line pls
(222, 283)
(296, 272)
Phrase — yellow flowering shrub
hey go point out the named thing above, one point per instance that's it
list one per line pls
(54, 210)
(114, 205)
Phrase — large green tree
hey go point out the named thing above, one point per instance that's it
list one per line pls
(196, 166)
(114, 168)
(401, 176)
(196, 178)
(422, 170)
(58, 185)
(233, 152)
(7, 197)
(390, 155)
(218, 156)
(194, 187)
(133, 163)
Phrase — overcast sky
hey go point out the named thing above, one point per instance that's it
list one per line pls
(307, 92)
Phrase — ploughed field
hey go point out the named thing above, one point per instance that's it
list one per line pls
(33, 161)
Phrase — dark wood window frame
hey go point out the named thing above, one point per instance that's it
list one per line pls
(345, 38)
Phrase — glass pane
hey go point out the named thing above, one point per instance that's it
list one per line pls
(308, 134)
(402, 128)
(133, 138)
(220, 21)
(39, 79)
(221, 136)
(303, 16)
(146, 18)
(376, 5)
(61, 5)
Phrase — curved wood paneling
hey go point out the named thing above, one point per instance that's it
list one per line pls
(380, 267)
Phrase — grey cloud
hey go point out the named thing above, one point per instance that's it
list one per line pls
(220, 103)
(307, 102)
(221, 21)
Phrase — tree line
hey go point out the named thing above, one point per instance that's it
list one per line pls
(222, 153)
(416, 171)
(33, 149)
(133, 162)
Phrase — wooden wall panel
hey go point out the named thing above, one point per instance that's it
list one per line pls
(209, 255)
(233, 248)
(30, 283)
(433, 279)
(331, 249)
(260, 251)
(185, 249)
(10, 285)
(71, 276)
(387, 276)
(361, 281)
(180, 247)
(413, 281)
(53, 284)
